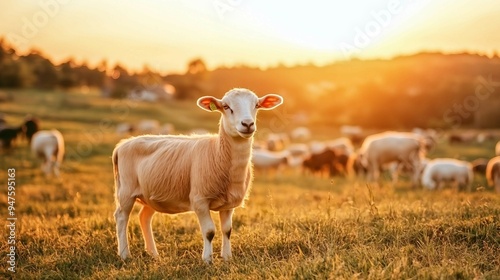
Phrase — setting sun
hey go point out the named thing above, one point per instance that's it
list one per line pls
(164, 35)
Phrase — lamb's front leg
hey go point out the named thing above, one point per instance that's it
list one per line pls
(207, 229)
(226, 227)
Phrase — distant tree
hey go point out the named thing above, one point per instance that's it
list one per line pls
(123, 82)
(196, 66)
(67, 75)
(43, 69)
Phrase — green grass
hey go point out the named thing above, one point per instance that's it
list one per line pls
(293, 227)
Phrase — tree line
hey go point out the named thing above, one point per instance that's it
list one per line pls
(424, 89)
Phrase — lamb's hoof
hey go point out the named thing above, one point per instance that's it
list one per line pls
(207, 260)
(124, 255)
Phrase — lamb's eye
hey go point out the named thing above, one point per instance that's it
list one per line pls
(227, 108)
(257, 106)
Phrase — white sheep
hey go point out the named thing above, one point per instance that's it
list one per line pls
(148, 126)
(441, 170)
(167, 128)
(298, 149)
(267, 160)
(277, 141)
(49, 146)
(379, 150)
(124, 129)
(200, 173)
(493, 173)
(317, 147)
(301, 133)
(342, 145)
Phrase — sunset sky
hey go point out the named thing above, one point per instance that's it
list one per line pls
(165, 35)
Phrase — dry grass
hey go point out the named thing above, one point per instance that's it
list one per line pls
(292, 226)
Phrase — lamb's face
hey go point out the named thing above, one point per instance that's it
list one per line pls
(239, 110)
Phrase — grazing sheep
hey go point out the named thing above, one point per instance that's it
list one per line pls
(167, 128)
(124, 129)
(317, 147)
(148, 126)
(429, 136)
(301, 134)
(266, 160)
(441, 170)
(277, 141)
(49, 146)
(200, 173)
(381, 149)
(30, 127)
(479, 165)
(493, 173)
(354, 132)
(316, 163)
(8, 135)
(298, 150)
(355, 166)
(465, 137)
(342, 145)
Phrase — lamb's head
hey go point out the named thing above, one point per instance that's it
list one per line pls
(239, 108)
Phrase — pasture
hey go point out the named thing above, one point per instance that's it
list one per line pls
(293, 226)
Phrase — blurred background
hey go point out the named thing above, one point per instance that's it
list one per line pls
(378, 64)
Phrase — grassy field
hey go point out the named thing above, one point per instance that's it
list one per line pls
(293, 227)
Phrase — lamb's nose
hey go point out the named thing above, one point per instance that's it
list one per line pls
(247, 123)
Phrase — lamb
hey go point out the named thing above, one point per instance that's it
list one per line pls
(381, 149)
(441, 170)
(493, 173)
(49, 146)
(200, 173)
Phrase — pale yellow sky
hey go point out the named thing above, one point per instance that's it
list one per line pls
(166, 34)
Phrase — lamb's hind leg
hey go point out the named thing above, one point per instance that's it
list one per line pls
(145, 218)
(124, 206)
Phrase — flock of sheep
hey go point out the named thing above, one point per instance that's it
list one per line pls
(214, 172)
(391, 151)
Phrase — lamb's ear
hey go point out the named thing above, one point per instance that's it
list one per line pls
(270, 101)
(209, 103)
